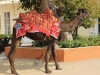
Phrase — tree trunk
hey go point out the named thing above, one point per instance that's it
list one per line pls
(75, 33)
(44, 4)
(40, 5)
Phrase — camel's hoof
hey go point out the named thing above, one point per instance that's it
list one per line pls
(48, 71)
(15, 73)
(58, 68)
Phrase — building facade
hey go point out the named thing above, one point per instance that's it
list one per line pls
(8, 11)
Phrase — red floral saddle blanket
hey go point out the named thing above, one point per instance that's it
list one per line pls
(34, 22)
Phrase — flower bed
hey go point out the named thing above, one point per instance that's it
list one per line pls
(63, 54)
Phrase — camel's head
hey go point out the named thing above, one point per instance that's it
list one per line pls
(82, 13)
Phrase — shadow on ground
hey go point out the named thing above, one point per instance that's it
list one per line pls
(23, 64)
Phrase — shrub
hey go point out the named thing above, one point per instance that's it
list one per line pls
(5, 35)
(81, 42)
(40, 43)
(78, 42)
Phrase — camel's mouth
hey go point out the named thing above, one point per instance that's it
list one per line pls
(88, 14)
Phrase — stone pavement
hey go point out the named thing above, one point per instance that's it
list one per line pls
(36, 67)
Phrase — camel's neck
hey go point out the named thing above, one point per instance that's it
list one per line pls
(69, 26)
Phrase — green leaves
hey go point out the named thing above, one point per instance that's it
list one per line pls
(30, 4)
(81, 42)
(40, 43)
(71, 7)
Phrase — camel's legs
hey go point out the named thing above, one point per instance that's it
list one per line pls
(47, 57)
(14, 44)
(54, 56)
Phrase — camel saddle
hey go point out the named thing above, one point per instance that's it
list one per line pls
(34, 22)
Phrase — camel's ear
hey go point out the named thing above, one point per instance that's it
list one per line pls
(83, 10)
(80, 9)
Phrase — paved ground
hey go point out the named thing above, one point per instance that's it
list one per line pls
(35, 67)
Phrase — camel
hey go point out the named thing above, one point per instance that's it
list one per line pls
(64, 27)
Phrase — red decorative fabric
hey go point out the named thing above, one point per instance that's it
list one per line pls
(34, 22)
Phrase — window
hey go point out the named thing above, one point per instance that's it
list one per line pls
(7, 22)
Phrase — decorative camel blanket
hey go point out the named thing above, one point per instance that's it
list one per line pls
(34, 22)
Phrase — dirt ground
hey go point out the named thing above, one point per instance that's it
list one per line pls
(36, 67)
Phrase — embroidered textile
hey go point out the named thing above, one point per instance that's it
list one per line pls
(34, 22)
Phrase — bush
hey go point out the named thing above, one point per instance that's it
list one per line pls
(40, 43)
(78, 42)
(81, 42)
(94, 40)
(5, 35)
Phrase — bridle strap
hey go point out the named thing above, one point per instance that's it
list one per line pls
(80, 18)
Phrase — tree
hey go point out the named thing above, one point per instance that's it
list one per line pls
(71, 7)
(38, 5)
